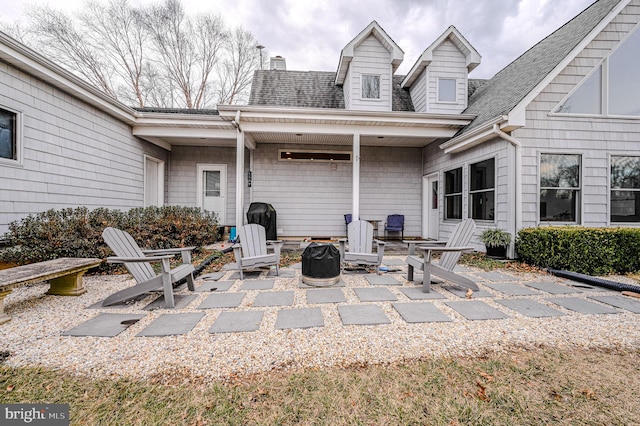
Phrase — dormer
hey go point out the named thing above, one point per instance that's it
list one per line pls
(438, 80)
(366, 68)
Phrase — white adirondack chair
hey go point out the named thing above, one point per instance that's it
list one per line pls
(360, 241)
(138, 263)
(251, 250)
(451, 252)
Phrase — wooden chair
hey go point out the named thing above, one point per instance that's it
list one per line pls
(138, 263)
(360, 241)
(451, 252)
(251, 250)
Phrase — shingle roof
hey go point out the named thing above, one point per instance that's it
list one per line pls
(507, 88)
(310, 89)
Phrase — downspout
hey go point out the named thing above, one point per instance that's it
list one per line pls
(517, 181)
(239, 172)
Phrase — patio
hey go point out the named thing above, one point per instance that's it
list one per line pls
(230, 326)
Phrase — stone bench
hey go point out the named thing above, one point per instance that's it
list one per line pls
(64, 276)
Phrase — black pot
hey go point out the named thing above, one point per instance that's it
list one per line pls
(499, 252)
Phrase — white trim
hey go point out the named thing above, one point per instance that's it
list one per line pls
(160, 183)
(222, 168)
(455, 91)
(20, 56)
(610, 189)
(463, 214)
(19, 123)
(426, 202)
(580, 190)
(364, 98)
(522, 105)
(472, 58)
(495, 187)
(347, 53)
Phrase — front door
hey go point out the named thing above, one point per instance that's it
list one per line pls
(431, 217)
(212, 189)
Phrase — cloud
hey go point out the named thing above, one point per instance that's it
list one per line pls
(311, 34)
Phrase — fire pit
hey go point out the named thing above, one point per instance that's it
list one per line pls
(321, 265)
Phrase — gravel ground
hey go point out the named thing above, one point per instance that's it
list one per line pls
(33, 336)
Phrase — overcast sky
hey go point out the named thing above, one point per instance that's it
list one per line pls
(311, 33)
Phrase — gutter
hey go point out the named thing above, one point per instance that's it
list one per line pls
(517, 181)
(488, 131)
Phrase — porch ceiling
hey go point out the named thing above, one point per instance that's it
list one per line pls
(298, 126)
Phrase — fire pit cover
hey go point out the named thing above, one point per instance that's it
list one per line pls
(321, 261)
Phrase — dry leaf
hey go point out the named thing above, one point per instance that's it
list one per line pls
(10, 388)
(588, 393)
(556, 395)
(469, 293)
(481, 392)
(486, 376)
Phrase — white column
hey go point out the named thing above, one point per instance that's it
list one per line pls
(239, 179)
(356, 177)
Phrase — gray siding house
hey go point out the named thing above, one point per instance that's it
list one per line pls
(552, 139)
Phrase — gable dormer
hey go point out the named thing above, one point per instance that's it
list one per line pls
(438, 80)
(366, 68)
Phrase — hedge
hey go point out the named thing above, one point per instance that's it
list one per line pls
(78, 232)
(593, 251)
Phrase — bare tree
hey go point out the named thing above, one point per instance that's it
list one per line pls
(61, 38)
(188, 49)
(147, 56)
(118, 33)
(236, 72)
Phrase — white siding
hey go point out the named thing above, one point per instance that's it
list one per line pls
(448, 62)
(370, 57)
(183, 175)
(311, 198)
(73, 154)
(594, 138)
(502, 152)
(418, 92)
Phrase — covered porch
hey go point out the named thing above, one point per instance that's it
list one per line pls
(313, 165)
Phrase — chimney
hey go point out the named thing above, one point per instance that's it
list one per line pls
(278, 63)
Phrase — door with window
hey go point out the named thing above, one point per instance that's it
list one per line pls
(431, 221)
(212, 189)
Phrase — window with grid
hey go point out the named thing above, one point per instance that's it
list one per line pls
(8, 134)
(370, 86)
(560, 187)
(453, 194)
(625, 189)
(482, 190)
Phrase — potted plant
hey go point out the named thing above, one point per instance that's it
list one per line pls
(496, 241)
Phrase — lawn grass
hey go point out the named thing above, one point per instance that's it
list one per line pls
(521, 388)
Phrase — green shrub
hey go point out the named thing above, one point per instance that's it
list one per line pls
(593, 251)
(78, 232)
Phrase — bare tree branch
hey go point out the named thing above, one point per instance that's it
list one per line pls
(236, 72)
(148, 56)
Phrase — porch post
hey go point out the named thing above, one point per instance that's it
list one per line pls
(239, 178)
(356, 177)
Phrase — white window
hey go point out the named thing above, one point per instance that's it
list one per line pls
(370, 86)
(446, 90)
(482, 178)
(9, 135)
(453, 194)
(560, 188)
(625, 189)
(620, 96)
